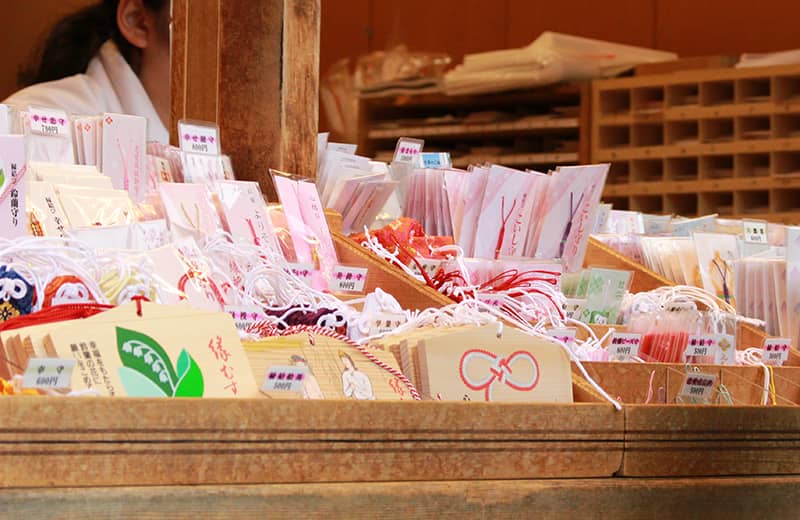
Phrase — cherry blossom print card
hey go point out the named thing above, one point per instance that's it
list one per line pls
(124, 150)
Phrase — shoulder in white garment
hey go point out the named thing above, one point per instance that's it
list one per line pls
(109, 85)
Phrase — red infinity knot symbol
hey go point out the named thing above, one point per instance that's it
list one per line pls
(500, 371)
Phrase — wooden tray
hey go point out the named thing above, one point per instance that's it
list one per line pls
(132, 442)
(689, 440)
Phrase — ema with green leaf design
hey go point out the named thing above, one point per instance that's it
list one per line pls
(148, 372)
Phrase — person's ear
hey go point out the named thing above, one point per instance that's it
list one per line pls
(136, 23)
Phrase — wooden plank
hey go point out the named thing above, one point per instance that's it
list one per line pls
(701, 186)
(253, 68)
(685, 440)
(183, 441)
(531, 124)
(691, 63)
(621, 498)
(697, 149)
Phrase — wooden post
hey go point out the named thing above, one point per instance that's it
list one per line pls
(253, 68)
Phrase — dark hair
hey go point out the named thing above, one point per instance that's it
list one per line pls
(75, 40)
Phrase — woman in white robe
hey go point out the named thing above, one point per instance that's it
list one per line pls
(110, 57)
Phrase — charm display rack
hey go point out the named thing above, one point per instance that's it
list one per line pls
(696, 142)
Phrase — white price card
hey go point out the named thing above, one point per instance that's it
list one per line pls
(245, 315)
(775, 351)
(199, 137)
(565, 335)
(698, 388)
(49, 122)
(407, 150)
(285, 379)
(755, 232)
(348, 279)
(385, 322)
(700, 345)
(623, 346)
(429, 265)
(52, 373)
(573, 308)
(496, 300)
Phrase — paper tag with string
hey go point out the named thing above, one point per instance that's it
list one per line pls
(775, 351)
(623, 346)
(698, 387)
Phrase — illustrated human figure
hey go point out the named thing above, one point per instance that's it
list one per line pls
(355, 383)
(311, 388)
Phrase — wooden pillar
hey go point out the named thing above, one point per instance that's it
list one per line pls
(252, 66)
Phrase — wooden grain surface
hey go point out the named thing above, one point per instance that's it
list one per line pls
(620, 498)
(253, 68)
(93, 442)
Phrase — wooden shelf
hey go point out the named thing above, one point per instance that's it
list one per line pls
(727, 140)
(534, 127)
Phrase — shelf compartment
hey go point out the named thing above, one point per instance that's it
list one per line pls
(647, 203)
(787, 125)
(751, 202)
(753, 127)
(614, 102)
(753, 90)
(785, 199)
(683, 204)
(647, 134)
(647, 99)
(716, 130)
(714, 93)
(620, 203)
(615, 136)
(681, 132)
(716, 166)
(717, 202)
(787, 89)
(647, 170)
(681, 169)
(786, 163)
(687, 94)
(619, 173)
(752, 165)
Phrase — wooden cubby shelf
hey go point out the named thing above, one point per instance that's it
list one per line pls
(693, 142)
(537, 128)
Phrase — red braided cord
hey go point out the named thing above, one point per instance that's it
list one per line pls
(322, 331)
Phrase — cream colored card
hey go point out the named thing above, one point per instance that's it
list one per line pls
(481, 365)
(163, 353)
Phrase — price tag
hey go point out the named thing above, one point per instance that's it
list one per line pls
(697, 387)
(302, 271)
(755, 232)
(435, 160)
(680, 307)
(430, 266)
(407, 150)
(700, 345)
(565, 335)
(385, 322)
(49, 122)
(52, 373)
(348, 279)
(285, 379)
(199, 137)
(496, 300)
(624, 346)
(245, 315)
(573, 308)
(775, 351)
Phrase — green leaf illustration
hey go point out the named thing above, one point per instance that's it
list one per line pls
(144, 355)
(137, 385)
(2, 178)
(190, 382)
